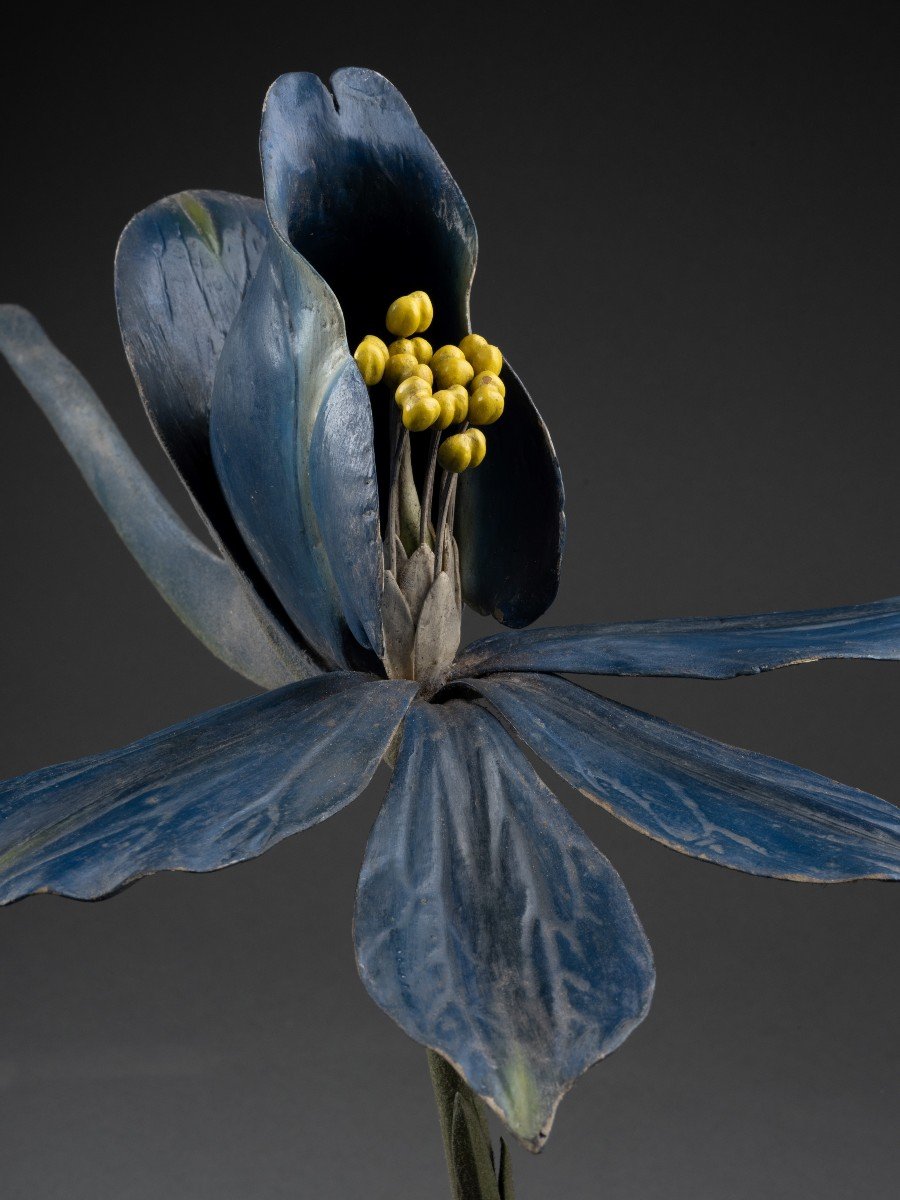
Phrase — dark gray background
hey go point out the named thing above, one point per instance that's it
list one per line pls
(690, 249)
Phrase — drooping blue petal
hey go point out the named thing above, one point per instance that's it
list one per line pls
(218, 789)
(695, 647)
(699, 796)
(489, 927)
(292, 445)
(356, 186)
(206, 592)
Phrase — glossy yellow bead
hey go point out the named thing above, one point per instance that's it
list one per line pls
(449, 351)
(374, 340)
(404, 317)
(488, 379)
(402, 346)
(486, 358)
(447, 401)
(421, 349)
(485, 406)
(412, 385)
(461, 397)
(371, 363)
(426, 309)
(448, 371)
(420, 412)
(455, 453)
(470, 344)
(398, 367)
(478, 445)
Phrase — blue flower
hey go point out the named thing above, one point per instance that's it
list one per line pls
(487, 924)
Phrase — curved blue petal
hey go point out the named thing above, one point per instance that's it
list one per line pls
(356, 186)
(218, 789)
(510, 519)
(183, 266)
(206, 592)
(695, 647)
(732, 807)
(292, 443)
(489, 927)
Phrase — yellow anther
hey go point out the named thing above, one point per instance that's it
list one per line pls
(403, 346)
(426, 308)
(447, 400)
(455, 453)
(409, 314)
(371, 362)
(412, 385)
(471, 343)
(374, 340)
(420, 412)
(447, 352)
(486, 358)
(488, 379)
(403, 317)
(485, 406)
(449, 370)
(462, 402)
(398, 367)
(421, 349)
(478, 444)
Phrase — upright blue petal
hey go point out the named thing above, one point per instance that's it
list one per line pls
(293, 447)
(206, 592)
(218, 789)
(695, 647)
(489, 927)
(356, 186)
(696, 795)
(183, 266)
(510, 518)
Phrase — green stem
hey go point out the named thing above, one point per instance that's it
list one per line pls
(467, 1141)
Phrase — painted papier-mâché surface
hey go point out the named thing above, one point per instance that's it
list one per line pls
(487, 925)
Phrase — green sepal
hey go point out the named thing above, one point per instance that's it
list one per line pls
(507, 1190)
(472, 1157)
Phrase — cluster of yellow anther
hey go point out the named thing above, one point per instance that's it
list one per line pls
(434, 389)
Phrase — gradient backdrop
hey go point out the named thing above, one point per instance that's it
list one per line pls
(690, 250)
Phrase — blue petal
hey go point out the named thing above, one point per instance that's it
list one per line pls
(292, 444)
(215, 790)
(183, 266)
(696, 795)
(509, 517)
(356, 186)
(695, 647)
(207, 593)
(489, 927)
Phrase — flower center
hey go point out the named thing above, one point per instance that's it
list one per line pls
(450, 393)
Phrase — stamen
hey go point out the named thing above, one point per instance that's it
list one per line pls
(469, 393)
(428, 493)
(401, 435)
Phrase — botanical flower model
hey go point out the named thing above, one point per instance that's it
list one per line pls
(354, 506)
